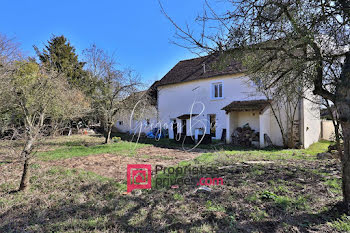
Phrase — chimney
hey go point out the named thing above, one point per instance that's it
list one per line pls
(203, 68)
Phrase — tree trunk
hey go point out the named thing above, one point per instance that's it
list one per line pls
(108, 135)
(291, 136)
(346, 164)
(26, 153)
(337, 140)
(342, 102)
(335, 122)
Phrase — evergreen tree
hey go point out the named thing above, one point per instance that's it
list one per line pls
(60, 55)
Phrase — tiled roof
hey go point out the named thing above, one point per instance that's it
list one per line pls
(249, 105)
(193, 69)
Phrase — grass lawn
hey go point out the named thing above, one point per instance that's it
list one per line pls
(268, 154)
(217, 145)
(263, 191)
(74, 150)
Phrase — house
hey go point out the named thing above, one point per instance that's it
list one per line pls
(195, 98)
(141, 117)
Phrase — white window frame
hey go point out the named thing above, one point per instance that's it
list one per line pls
(212, 90)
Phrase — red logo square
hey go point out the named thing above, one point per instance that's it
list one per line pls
(139, 176)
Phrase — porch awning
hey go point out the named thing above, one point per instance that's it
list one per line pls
(186, 116)
(249, 105)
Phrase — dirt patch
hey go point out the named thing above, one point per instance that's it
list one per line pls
(115, 166)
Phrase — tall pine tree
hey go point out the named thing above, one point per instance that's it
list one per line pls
(60, 55)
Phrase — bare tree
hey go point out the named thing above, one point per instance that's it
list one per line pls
(36, 96)
(307, 36)
(112, 89)
(284, 102)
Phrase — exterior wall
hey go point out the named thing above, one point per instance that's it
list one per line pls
(269, 126)
(231, 125)
(250, 117)
(135, 126)
(311, 123)
(264, 121)
(132, 124)
(195, 97)
(327, 130)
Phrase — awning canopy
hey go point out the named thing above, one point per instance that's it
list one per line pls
(249, 105)
(186, 116)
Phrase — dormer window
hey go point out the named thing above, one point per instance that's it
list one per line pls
(217, 92)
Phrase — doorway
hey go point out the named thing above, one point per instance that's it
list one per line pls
(212, 123)
(184, 128)
(174, 127)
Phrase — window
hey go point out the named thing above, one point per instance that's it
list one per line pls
(148, 122)
(120, 122)
(217, 90)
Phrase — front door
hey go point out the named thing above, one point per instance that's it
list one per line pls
(212, 121)
(184, 129)
(174, 127)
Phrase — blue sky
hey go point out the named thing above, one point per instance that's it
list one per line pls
(135, 30)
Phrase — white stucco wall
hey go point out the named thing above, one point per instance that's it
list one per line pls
(137, 124)
(250, 117)
(269, 126)
(311, 123)
(195, 97)
(309, 119)
(327, 130)
(239, 119)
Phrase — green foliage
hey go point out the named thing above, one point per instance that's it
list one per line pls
(178, 197)
(268, 195)
(258, 214)
(214, 207)
(253, 198)
(27, 74)
(334, 184)
(40, 91)
(285, 202)
(342, 224)
(116, 139)
(60, 55)
(281, 189)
